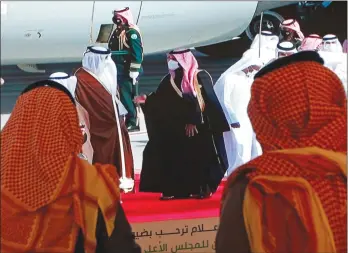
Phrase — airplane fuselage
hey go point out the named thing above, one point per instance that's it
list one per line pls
(41, 32)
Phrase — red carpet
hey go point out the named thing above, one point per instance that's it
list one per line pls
(146, 207)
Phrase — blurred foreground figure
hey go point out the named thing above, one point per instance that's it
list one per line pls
(291, 31)
(233, 91)
(70, 83)
(185, 156)
(96, 91)
(311, 43)
(293, 197)
(51, 199)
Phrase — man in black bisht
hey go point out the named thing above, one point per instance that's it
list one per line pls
(185, 156)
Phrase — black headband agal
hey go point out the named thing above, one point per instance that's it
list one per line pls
(96, 51)
(330, 38)
(51, 84)
(59, 77)
(180, 52)
(284, 61)
(286, 48)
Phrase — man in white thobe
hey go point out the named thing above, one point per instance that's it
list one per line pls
(331, 43)
(233, 91)
(97, 92)
(335, 59)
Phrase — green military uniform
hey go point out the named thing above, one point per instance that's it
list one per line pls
(127, 53)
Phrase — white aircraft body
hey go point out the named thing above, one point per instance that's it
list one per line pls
(44, 32)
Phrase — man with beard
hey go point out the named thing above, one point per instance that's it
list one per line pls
(291, 31)
(96, 92)
(293, 198)
(185, 156)
(127, 52)
(312, 43)
(233, 91)
(70, 83)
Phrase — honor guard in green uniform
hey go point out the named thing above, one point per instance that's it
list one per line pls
(127, 53)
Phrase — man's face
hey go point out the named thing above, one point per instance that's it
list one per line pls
(329, 46)
(287, 33)
(119, 21)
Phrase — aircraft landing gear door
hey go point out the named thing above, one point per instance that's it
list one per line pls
(103, 13)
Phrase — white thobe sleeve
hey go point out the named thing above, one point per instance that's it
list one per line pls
(223, 90)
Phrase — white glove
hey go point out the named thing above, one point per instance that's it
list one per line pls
(134, 76)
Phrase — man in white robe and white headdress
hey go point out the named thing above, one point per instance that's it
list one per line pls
(331, 43)
(335, 59)
(97, 92)
(284, 49)
(233, 91)
(70, 83)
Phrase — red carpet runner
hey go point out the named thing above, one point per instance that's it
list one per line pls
(146, 207)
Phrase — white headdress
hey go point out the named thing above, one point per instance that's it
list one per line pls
(97, 60)
(251, 56)
(331, 43)
(285, 48)
(268, 41)
(94, 59)
(64, 79)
